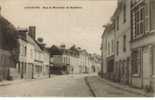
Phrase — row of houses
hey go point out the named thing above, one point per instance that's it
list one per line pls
(22, 56)
(33, 56)
(73, 60)
(128, 44)
(28, 60)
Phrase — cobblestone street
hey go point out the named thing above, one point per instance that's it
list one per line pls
(60, 86)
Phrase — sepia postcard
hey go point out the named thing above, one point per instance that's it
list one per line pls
(77, 48)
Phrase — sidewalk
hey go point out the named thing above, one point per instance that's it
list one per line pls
(97, 84)
(17, 81)
(6, 83)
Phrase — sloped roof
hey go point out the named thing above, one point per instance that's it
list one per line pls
(9, 34)
(34, 42)
(54, 50)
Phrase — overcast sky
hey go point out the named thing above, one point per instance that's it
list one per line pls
(82, 27)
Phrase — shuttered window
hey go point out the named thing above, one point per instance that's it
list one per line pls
(147, 23)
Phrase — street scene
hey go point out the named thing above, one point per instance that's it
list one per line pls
(77, 48)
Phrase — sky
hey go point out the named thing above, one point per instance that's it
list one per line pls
(82, 27)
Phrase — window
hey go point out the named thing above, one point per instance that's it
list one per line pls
(124, 43)
(124, 13)
(136, 61)
(147, 16)
(24, 67)
(117, 23)
(19, 70)
(112, 45)
(25, 50)
(117, 48)
(38, 69)
(108, 48)
(2, 62)
(138, 21)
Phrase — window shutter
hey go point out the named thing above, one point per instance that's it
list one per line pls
(152, 14)
(147, 16)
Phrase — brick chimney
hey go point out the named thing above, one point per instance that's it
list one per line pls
(32, 32)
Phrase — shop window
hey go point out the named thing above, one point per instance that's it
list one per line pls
(136, 61)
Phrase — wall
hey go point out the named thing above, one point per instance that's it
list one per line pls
(58, 59)
(5, 63)
(124, 29)
(1, 39)
(152, 15)
(46, 61)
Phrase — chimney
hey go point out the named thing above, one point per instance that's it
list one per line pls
(32, 32)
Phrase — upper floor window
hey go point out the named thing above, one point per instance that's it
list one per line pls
(124, 12)
(124, 43)
(112, 45)
(137, 23)
(108, 48)
(25, 51)
(117, 51)
(117, 22)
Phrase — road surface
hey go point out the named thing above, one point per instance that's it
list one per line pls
(61, 86)
(57, 86)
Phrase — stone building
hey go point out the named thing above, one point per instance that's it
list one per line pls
(84, 61)
(143, 43)
(33, 61)
(46, 65)
(116, 53)
(134, 25)
(73, 60)
(95, 63)
(22, 59)
(65, 60)
(8, 44)
(108, 50)
(121, 19)
(25, 64)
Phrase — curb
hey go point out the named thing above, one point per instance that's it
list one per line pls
(21, 81)
(5, 84)
(126, 89)
(89, 86)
